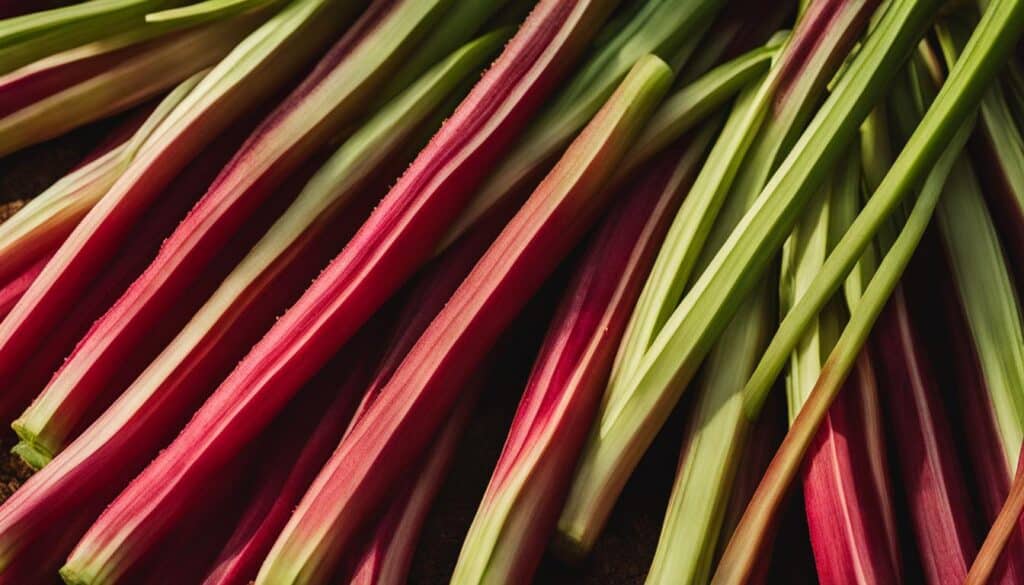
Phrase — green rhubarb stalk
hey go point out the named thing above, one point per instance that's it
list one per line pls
(47, 218)
(785, 101)
(954, 104)
(945, 127)
(152, 68)
(200, 12)
(660, 27)
(24, 39)
(740, 556)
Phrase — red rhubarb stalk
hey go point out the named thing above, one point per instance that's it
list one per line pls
(311, 427)
(253, 71)
(427, 383)
(521, 505)
(387, 249)
(295, 249)
(13, 289)
(932, 476)
(387, 557)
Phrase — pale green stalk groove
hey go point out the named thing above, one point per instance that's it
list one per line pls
(704, 312)
(802, 256)
(327, 191)
(685, 239)
(200, 12)
(660, 27)
(956, 100)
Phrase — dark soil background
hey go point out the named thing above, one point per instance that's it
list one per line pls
(624, 552)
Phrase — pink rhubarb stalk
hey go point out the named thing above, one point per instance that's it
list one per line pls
(1005, 526)
(932, 477)
(428, 382)
(387, 557)
(252, 72)
(310, 427)
(313, 229)
(12, 290)
(392, 243)
(525, 495)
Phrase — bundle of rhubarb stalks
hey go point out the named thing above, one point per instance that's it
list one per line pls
(242, 337)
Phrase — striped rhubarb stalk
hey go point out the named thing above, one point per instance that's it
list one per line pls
(661, 27)
(76, 87)
(949, 115)
(520, 507)
(253, 71)
(426, 385)
(76, 487)
(383, 254)
(297, 445)
(46, 220)
(313, 229)
(15, 286)
(768, 123)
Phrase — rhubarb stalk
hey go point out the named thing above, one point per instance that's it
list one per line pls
(314, 228)
(635, 403)
(380, 257)
(426, 385)
(520, 507)
(253, 71)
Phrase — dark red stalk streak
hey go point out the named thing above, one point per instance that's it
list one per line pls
(396, 239)
(14, 288)
(987, 455)
(931, 474)
(840, 467)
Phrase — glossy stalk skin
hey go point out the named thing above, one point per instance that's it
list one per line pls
(930, 472)
(252, 72)
(311, 231)
(384, 253)
(426, 385)
(299, 443)
(635, 406)
(86, 84)
(520, 507)
(660, 27)
(389, 553)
